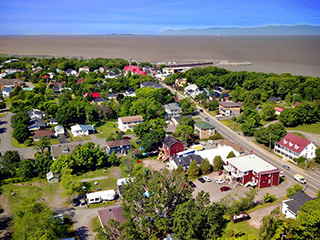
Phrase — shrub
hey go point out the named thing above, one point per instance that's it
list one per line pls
(217, 163)
(193, 169)
(291, 191)
(269, 198)
(205, 166)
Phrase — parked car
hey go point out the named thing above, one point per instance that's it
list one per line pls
(225, 188)
(220, 180)
(206, 178)
(211, 141)
(286, 167)
(75, 202)
(202, 143)
(201, 110)
(220, 173)
(201, 180)
(192, 184)
(207, 119)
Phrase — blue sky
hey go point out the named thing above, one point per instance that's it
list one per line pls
(148, 17)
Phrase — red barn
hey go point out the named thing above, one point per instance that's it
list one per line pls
(251, 170)
(172, 145)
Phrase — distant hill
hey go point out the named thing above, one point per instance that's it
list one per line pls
(265, 30)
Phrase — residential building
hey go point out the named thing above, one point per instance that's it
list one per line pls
(35, 113)
(10, 83)
(134, 70)
(105, 215)
(204, 130)
(52, 177)
(291, 207)
(278, 110)
(185, 161)
(221, 151)
(82, 130)
(293, 146)
(151, 84)
(80, 81)
(172, 110)
(296, 104)
(120, 183)
(112, 95)
(175, 120)
(71, 72)
(6, 92)
(58, 85)
(228, 108)
(125, 123)
(94, 95)
(62, 149)
(216, 96)
(274, 99)
(192, 91)
(118, 146)
(84, 69)
(36, 124)
(227, 142)
(58, 130)
(180, 82)
(99, 100)
(251, 170)
(53, 121)
(130, 92)
(41, 133)
(170, 147)
(103, 69)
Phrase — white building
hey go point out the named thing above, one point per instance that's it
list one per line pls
(97, 197)
(82, 130)
(293, 146)
(125, 123)
(58, 130)
(172, 110)
(84, 69)
(222, 151)
(291, 207)
(191, 91)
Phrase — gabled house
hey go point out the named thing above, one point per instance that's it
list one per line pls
(84, 69)
(52, 177)
(291, 207)
(151, 84)
(62, 149)
(204, 130)
(36, 124)
(112, 75)
(71, 72)
(228, 108)
(10, 83)
(172, 110)
(180, 82)
(192, 91)
(115, 213)
(170, 147)
(53, 121)
(185, 161)
(216, 96)
(125, 123)
(99, 100)
(274, 99)
(35, 113)
(6, 92)
(296, 104)
(58, 85)
(130, 92)
(278, 110)
(118, 146)
(82, 130)
(94, 95)
(112, 95)
(41, 133)
(58, 130)
(134, 70)
(293, 146)
(251, 170)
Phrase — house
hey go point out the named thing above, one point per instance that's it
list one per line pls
(251, 170)
(10, 83)
(278, 110)
(53, 121)
(105, 215)
(6, 92)
(227, 142)
(112, 75)
(293, 146)
(120, 183)
(94, 95)
(134, 70)
(170, 147)
(71, 72)
(62, 149)
(112, 95)
(82, 130)
(296, 104)
(118, 146)
(216, 96)
(36, 124)
(84, 69)
(97, 197)
(35, 113)
(222, 151)
(185, 161)
(52, 177)
(58, 85)
(58, 130)
(80, 81)
(204, 130)
(291, 207)
(103, 69)
(99, 100)
(125, 123)
(41, 133)
(192, 91)
(130, 92)
(180, 82)
(228, 108)
(172, 110)
(151, 84)
(175, 120)
(274, 99)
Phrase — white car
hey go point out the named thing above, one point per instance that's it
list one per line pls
(218, 181)
(208, 179)
(211, 141)
(202, 143)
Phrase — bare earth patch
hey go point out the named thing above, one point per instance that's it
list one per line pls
(153, 164)
(257, 215)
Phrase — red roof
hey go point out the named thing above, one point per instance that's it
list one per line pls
(80, 81)
(142, 73)
(45, 76)
(297, 103)
(279, 109)
(95, 95)
(294, 142)
(132, 68)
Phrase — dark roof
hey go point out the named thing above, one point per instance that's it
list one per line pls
(297, 201)
(42, 133)
(217, 95)
(169, 141)
(229, 104)
(99, 99)
(35, 111)
(186, 161)
(151, 84)
(204, 125)
(274, 99)
(37, 121)
(62, 149)
(118, 143)
(112, 213)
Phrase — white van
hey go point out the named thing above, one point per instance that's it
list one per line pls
(299, 178)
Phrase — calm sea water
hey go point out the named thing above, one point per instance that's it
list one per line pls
(299, 55)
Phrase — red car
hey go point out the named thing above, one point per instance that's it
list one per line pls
(225, 188)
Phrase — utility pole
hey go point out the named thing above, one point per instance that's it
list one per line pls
(270, 141)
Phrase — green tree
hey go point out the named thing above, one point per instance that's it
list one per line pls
(187, 121)
(43, 163)
(151, 141)
(268, 112)
(42, 144)
(10, 162)
(2, 105)
(270, 224)
(309, 217)
(248, 128)
(193, 169)
(179, 170)
(205, 166)
(69, 183)
(274, 132)
(185, 131)
(21, 133)
(317, 158)
(291, 191)
(26, 169)
(290, 229)
(127, 164)
(269, 198)
(318, 193)
(217, 163)
(231, 155)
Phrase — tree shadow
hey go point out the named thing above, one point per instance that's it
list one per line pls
(3, 130)
(82, 233)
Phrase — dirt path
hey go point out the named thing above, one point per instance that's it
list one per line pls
(257, 215)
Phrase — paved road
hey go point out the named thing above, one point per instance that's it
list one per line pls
(312, 177)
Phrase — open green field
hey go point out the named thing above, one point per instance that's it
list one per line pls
(310, 128)
(235, 126)
(75, 139)
(242, 227)
(93, 174)
(107, 129)
(104, 184)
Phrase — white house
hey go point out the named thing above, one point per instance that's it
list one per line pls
(58, 130)
(35, 113)
(97, 197)
(293, 146)
(125, 123)
(172, 110)
(84, 69)
(291, 207)
(6, 92)
(82, 130)
(191, 91)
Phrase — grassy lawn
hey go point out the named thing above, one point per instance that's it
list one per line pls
(235, 126)
(16, 144)
(93, 174)
(104, 184)
(242, 227)
(99, 205)
(197, 119)
(95, 223)
(311, 128)
(310, 164)
(2, 115)
(54, 141)
(106, 130)
(74, 139)
(213, 113)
